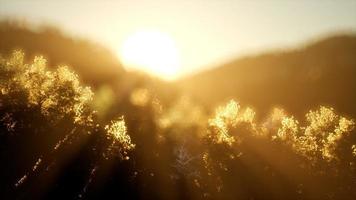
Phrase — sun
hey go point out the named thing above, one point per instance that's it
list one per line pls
(153, 52)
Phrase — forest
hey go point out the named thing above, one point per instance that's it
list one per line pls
(74, 124)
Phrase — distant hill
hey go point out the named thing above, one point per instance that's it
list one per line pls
(323, 72)
(94, 63)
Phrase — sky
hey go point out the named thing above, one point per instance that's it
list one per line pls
(205, 32)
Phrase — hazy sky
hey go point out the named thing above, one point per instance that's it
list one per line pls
(205, 32)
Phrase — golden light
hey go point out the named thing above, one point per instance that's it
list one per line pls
(153, 52)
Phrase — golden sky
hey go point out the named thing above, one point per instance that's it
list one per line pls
(204, 32)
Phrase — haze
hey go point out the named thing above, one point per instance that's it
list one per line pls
(205, 32)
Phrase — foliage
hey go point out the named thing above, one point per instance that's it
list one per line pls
(56, 94)
(48, 115)
(180, 146)
(320, 138)
(121, 142)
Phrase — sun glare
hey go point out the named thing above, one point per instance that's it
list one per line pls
(153, 52)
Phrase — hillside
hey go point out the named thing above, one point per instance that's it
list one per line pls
(94, 63)
(323, 72)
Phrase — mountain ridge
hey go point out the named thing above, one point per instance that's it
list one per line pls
(95, 63)
(322, 72)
